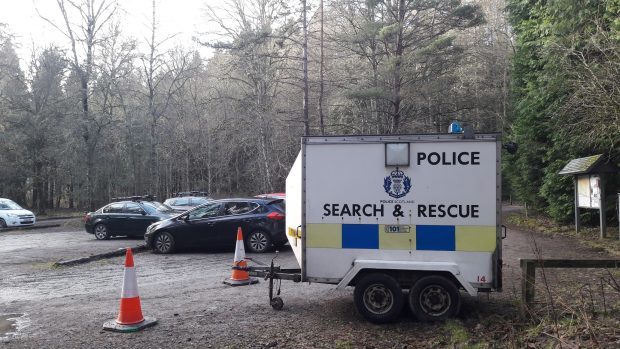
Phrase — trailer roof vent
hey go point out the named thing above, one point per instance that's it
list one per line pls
(397, 154)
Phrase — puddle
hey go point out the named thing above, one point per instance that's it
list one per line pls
(11, 324)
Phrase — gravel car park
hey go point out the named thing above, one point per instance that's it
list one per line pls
(195, 309)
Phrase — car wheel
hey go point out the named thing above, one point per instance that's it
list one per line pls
(101, 232)
(434, 298)
(2, 223)
(379, 298)
(258, 241)
(163, 243)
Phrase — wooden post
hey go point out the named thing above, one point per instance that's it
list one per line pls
(528, 279)
(577, 219)
(602, 207)
(528, 273)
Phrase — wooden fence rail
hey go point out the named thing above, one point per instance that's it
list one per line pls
(528, 271)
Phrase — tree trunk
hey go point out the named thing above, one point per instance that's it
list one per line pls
(306, 118)
(398, 56)
(321, 79)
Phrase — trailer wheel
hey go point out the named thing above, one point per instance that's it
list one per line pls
(379, 298)
(434, 298)
(277, 303)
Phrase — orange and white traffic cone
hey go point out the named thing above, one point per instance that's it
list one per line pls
(130, 317)
(240, 275)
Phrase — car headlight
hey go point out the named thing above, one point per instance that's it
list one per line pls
(12, 215)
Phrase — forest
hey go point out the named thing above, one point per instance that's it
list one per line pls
(98, 116)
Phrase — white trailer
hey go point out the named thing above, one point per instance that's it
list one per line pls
(401, 218)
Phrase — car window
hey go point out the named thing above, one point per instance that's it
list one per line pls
(207, 211)
(234, 208)
(262, 209)
(279, 206)
(132, 207)
(153, 206)
(9, 205)
(114, 208)
(149, 207)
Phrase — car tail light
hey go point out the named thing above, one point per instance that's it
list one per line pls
(276, 216)
(87, 218)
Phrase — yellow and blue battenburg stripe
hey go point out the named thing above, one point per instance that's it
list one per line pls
(408, 237)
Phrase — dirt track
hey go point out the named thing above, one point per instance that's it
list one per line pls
(66, 307)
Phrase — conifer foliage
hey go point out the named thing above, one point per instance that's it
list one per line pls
(566, 94)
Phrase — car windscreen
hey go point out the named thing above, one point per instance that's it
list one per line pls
(154, 206)
(199, 201)
(132, 208)
(180, 202)
(9, 205)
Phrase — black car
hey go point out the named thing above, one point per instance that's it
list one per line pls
(127, 217)
(215, 224)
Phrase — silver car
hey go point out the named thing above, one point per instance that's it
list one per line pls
(13, 215)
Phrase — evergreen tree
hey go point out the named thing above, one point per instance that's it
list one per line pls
(560, 45)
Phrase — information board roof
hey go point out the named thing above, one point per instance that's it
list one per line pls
(582, 165)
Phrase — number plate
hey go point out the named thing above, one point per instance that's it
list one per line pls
(397, 228)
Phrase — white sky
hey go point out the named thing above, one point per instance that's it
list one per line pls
(182, 17)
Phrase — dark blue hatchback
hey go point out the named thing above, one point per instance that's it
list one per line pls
(214, 225)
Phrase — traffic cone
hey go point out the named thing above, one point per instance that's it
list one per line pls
(240, 275)
(130, 317)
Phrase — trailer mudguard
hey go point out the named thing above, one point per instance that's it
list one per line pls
(452, 268)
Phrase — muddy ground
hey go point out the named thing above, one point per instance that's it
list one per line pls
(66, 307)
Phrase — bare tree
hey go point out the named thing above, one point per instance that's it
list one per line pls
(163, 80)
(84, 36)
(255, 36)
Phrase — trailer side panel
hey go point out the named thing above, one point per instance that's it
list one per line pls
(441, 207)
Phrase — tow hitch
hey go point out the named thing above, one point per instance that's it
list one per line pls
(275, 274)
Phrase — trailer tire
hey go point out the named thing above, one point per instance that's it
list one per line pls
(378, 298)
(434, 298)
(277, 303)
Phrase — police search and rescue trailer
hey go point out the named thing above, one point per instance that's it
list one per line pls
(401, 218)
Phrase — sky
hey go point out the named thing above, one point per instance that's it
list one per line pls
(181, 17)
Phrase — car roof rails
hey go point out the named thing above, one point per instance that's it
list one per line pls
(190, 193)
(147, 197)
(274, 201)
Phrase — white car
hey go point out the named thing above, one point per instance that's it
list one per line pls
(13, 215)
